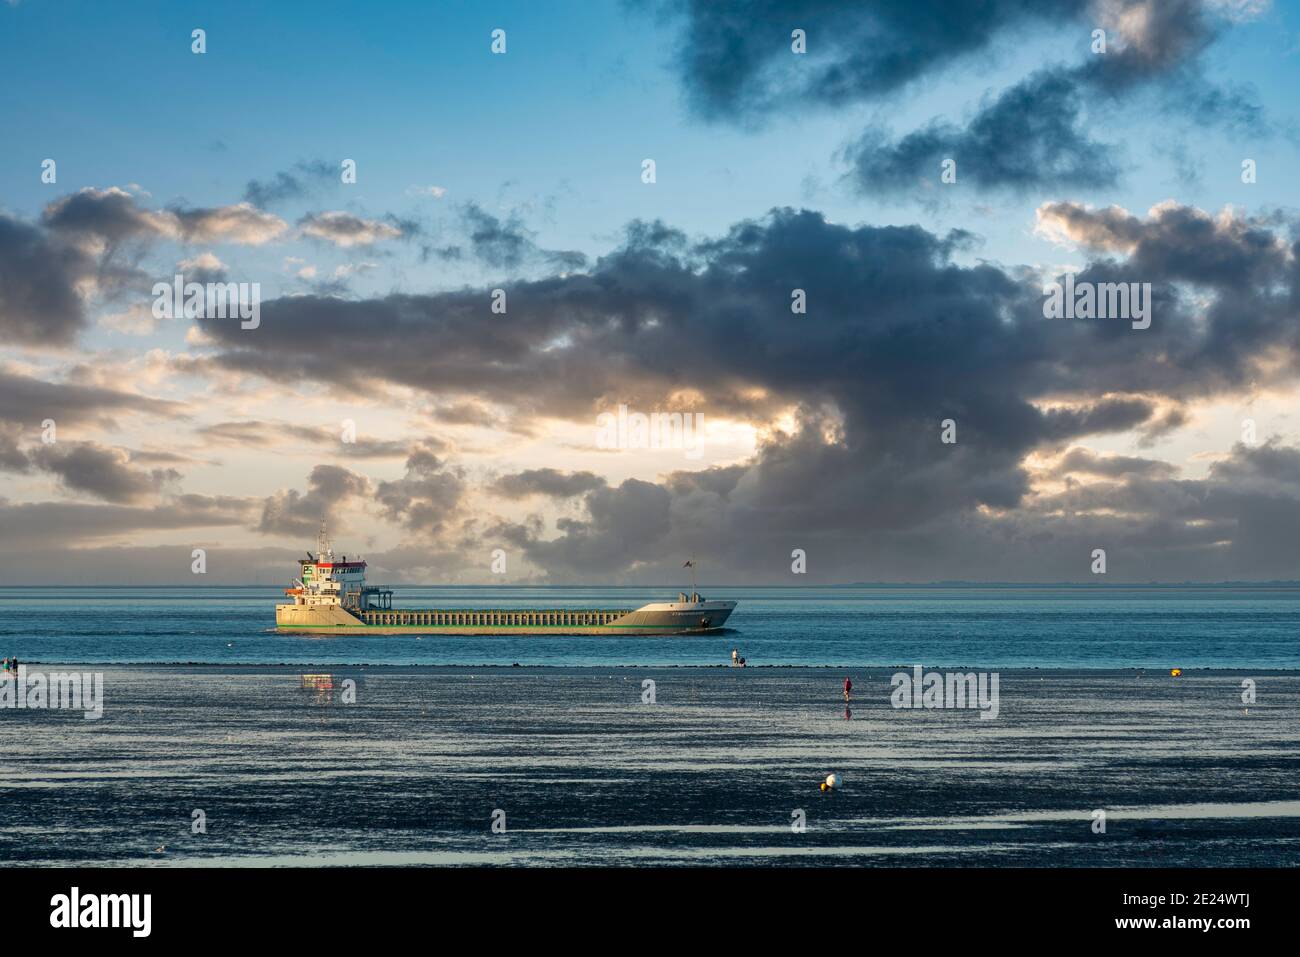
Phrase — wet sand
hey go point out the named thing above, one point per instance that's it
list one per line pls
(714, 772)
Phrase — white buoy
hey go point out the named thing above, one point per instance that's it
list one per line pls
(832, 780)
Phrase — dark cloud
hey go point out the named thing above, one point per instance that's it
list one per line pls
(330, 489)
(1084, 461)
(103, 472)
(1178, 242)
(509, 244)
(29, 401)
(1031, 135)
(895, 331)
(1240, 522)
(109, 215)
(897, 339)
(737, 62)
(466, 413)
(298, 182)
(427, 497)
(632, 517)
(39, 302)
(12, 457)
(1111, 414)
(738, 66)
(549, 482)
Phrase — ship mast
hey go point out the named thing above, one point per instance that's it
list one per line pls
(324, 550)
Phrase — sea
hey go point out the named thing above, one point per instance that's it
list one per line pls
(990, 626)
(633, 751)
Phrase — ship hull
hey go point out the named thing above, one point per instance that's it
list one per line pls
(691, 618)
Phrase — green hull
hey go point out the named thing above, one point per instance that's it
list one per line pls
(489, 630)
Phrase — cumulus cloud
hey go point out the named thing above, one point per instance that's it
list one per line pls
(548, 482)
(240, 223)
(39, 277)
(12, 456)
(623, 324)
(1176, 241)
(331, 489)
(203, 268)
(29, 400)
(346, 230)
(903, 338)
(427, 497)
(1079, 460)
(103, 472)
(100, 218)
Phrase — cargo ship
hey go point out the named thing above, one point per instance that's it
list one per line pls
(331, 597)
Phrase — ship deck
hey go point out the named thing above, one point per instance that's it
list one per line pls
(523, 618)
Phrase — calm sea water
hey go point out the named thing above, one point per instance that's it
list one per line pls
(993, 627)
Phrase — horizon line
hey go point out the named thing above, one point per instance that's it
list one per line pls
(956, 583)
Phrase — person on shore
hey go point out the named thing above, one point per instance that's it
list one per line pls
(6, 664)
(848, 688)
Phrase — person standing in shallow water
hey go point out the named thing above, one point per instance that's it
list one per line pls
(848, 688)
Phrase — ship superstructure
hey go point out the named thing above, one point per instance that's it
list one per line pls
(330, 596)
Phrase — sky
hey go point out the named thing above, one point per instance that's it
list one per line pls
(814, 241)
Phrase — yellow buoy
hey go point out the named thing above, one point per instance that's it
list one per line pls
(1175, 672)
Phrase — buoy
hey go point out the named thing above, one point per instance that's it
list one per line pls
(823, 785)
(1175, 672)
(832, 780)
